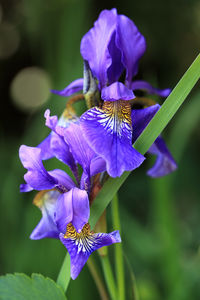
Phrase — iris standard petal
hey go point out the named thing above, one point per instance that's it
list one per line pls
(143, 85)
(74, 87)
(109, 132)
(165, 163)
(131, 44)
(116, 91)
(37, 177)
(81, 245)
(46, 228)
(72, 207)
(94, 45)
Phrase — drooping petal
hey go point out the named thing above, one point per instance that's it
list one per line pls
(116, 91)
(165, 163)
(72, 207)
(143, 85)
(46, 228)
(81, 245)
(141, 118)
(131, 44)
(37, 177)
(94, 45)
(74, 87)
(109, 132)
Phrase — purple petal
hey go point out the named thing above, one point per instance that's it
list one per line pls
(58, 146)
(131, 44)
(37, 177)
(72, 207)
(143, 85)
(94, 45)
(116, 68)
(46, 228)
(24, 187)
(116, 91)
(80, 246)
(72, 88)
(64, 180)
(165, 163)
(46, 152)
(78, 146)
(61, 151)
(109, 133)
(141, 118)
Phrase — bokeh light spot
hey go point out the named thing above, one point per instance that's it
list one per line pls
(30, 88)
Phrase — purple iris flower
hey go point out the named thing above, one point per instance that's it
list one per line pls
(64, 203)
(112, 49)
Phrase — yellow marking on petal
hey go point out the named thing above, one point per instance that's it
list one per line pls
(40, 198)
(73, 234)
(120, 109)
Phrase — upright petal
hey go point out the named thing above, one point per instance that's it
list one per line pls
(143, 85)
(131, 44)
(94, 45)
(72, 207)
(109, 132)
(81, 245)
(165, 164)
(74, 87)
(46, 228)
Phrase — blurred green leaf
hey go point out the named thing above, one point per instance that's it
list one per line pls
(19, 287)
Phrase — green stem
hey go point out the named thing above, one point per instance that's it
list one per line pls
(109, 277)
(64, 274)
(119, 264)
(97, 279)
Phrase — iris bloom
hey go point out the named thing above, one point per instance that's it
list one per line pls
(64, 203)
(111, 51)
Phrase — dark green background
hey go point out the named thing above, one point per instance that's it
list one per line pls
(160, 218)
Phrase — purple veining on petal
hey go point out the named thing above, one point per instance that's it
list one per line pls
(109, 133)
(80, 246)
(131, 44)
(74, 87)
(143, 85)
(94, 45)
(165, 164)
(116, 91)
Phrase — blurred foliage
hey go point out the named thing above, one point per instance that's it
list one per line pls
(160, 218)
